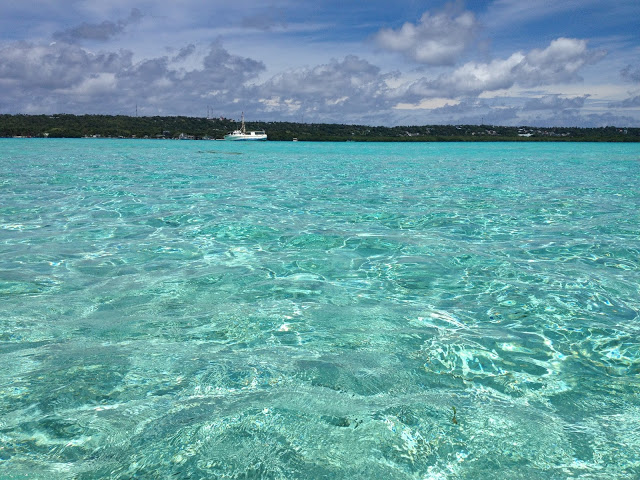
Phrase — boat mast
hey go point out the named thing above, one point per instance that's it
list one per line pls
(242, 128)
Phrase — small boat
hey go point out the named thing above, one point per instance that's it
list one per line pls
(242, 134)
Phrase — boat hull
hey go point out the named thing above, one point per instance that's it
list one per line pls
(245, 137)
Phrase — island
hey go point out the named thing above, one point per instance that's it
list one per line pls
(199, 128)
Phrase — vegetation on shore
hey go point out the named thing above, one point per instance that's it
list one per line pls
(119, 126)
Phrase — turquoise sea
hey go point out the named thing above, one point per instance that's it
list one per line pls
(210, 310)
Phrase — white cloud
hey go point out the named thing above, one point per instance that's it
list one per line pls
(69, 78)
(98, 32)
(427, 104)
(437, 39)
(55, 66)
(555, 103)
(560, 62)
(99, 84)
(352, 86)
(631, 102)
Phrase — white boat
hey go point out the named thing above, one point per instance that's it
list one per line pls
(242, 134)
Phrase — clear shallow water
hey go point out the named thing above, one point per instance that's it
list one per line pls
(298, 310)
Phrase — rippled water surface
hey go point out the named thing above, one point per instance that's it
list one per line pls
(319, 310)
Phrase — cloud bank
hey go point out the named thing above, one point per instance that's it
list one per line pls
(97, 32)
(69, 75)
(560, 62)
(437, 39)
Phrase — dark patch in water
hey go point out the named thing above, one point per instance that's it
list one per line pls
(218, 152)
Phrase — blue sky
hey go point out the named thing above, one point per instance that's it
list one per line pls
(503, 62)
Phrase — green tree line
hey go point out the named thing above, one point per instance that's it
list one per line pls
(120, 126)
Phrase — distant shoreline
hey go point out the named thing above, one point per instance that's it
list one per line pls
(198, 128)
